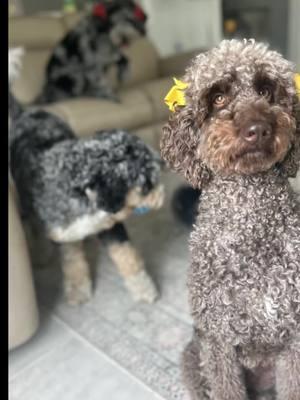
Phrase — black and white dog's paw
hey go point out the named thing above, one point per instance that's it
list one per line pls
(80, 292)
(141, 287)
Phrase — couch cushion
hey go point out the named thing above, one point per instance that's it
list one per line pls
(32, 74)
(144, 62)
(35, 32)
(23, 312)
(40, 33)
(156, 91)
(87, 115)
(150, 134)
(144, 65)
(71, 19)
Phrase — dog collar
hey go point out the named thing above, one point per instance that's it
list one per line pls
(141, 210)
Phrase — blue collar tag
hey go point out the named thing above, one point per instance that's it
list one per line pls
(141, 210)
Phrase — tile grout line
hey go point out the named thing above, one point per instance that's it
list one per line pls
(165, 308)
(112, 325)
(38, 359)
(104, 355)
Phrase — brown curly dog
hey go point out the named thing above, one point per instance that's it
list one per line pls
(238, 139)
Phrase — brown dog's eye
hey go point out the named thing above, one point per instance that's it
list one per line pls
(219, 99)
(266, 92)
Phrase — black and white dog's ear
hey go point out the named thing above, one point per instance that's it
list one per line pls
(113, 195)
(100, 11)
(110, 196)
(15, 56)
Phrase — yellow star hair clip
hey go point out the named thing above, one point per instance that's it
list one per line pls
(297, 84)
(175, 96)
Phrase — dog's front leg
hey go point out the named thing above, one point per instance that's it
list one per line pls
(77, 281)
(129, 263)
(288, 373)
(123, 68)
(224, 372)
(193, 371)
(98, 87)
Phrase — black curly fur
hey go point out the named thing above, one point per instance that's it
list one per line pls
(53, 169)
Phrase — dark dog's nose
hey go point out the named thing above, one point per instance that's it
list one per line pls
(257, 132)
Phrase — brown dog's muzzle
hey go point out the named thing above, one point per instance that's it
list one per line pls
(255, 124)
(254, 137)
(257, 132)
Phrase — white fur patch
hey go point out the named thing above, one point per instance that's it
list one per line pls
(14, 62)
(271, 307)
(82, 227)
(295, 182)
(92, 224)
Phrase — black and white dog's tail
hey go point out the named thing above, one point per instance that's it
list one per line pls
(14, 62)
(37, 128)
(14, 65)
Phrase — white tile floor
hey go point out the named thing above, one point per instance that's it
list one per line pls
(111, 348)
(60, 364)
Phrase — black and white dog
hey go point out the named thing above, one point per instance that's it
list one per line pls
(81, 60)
(74, 188)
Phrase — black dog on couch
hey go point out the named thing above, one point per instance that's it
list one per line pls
(81, 60)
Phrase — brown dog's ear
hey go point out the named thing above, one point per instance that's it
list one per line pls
(180, 145)
(291, 163)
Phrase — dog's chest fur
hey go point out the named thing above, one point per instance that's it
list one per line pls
(245, 276)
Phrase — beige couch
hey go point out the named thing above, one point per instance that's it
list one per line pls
(141, 109)
(23, 315)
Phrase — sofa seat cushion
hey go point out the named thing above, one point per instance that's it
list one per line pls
(156, 91)
(144, 62)
(23, 314)
(86, 115)
(35, 32)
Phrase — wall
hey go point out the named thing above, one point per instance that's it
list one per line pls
(269, 16)
(15, 7)
(176, 25)
(33, 6)
(294, 33)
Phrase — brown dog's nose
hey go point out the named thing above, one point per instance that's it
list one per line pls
(257, 132)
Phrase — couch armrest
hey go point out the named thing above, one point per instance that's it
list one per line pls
(23, 310)
(175, 65)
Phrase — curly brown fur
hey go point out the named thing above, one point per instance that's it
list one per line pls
(201, 138)
(238, 138)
